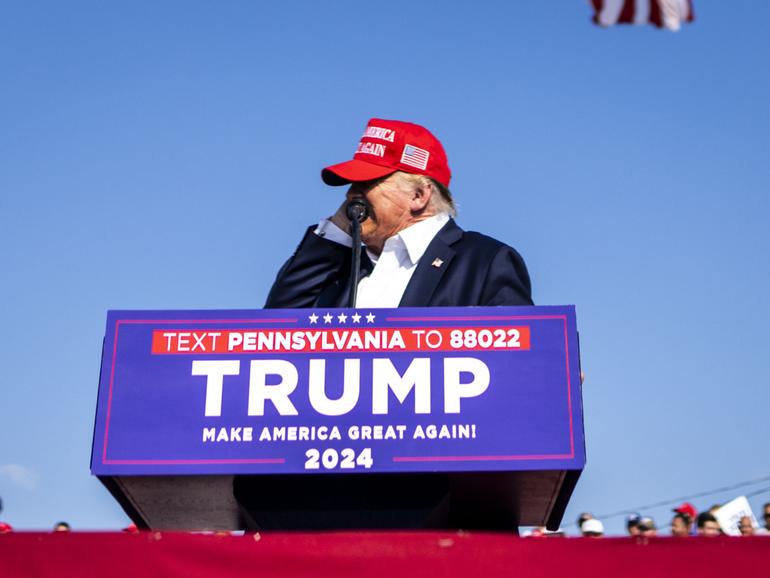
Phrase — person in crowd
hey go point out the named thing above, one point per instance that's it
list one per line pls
(746, 526)
(766, 518)
(708, 525)
(416, 255)
(681, 525)
(688, 510)
(62, 527)
(592, 528)
(647, 527)
(632, 524)
(583, 518)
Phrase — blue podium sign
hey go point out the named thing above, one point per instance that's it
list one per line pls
(339, 391)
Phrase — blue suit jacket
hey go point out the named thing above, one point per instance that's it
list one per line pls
(474, 270)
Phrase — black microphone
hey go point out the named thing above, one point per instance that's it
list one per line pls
(357, 210)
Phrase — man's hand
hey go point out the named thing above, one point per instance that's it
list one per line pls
(340, 218)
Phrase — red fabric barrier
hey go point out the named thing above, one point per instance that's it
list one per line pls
(374, 554)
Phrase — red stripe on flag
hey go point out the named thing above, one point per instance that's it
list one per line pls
(656, 17)
(628, 11)
(597, 4)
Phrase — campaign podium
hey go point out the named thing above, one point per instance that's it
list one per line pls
(341, 418)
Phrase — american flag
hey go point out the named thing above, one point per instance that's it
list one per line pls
(415, 157)
(662, 13)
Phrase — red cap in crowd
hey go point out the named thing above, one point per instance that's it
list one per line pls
(388, 146)
(687, 509)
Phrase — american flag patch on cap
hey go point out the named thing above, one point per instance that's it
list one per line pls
(415, 157)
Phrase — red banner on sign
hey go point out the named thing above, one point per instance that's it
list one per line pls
(207, 341)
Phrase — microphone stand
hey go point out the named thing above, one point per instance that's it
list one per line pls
(357, 211)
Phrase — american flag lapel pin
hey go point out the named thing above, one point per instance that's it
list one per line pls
(437, 262)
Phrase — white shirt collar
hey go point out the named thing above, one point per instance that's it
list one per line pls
(415, 238)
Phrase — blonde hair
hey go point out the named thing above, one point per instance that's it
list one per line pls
(440, 199)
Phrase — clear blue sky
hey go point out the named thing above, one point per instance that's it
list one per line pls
(166, 155)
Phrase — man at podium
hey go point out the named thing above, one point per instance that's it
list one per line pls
(416, 255)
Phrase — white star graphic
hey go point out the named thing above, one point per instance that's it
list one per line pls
(370, 318)
(313, 318)
(342, 318)
(355, 317)
(328, 318)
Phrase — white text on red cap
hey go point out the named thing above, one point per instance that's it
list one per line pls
(379, 133)
(371, 148)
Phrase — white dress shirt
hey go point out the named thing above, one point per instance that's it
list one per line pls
(395, 266)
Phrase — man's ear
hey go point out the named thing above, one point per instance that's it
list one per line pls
(420, 198)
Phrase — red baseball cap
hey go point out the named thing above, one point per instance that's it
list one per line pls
(688, 509)
(388, 146)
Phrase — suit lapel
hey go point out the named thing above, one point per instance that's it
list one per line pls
(342, 291)
(432, 266)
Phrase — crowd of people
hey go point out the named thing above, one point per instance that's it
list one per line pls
(685, 521)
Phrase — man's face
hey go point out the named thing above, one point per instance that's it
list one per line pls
(709, 529)
(390, 208)
(745, 527)
(679, 528)
(767, 517)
